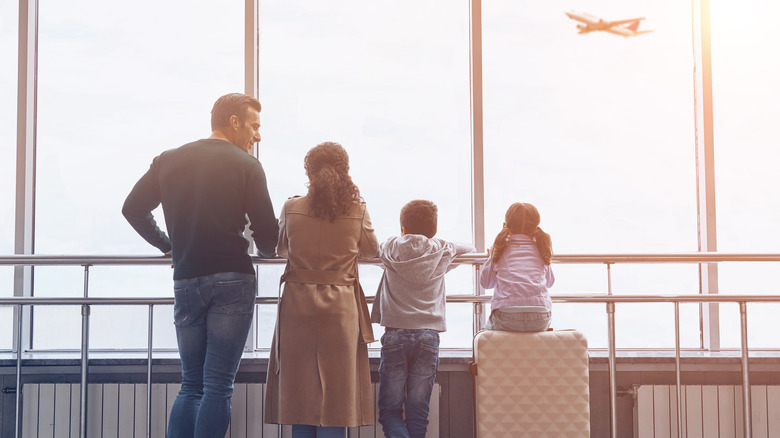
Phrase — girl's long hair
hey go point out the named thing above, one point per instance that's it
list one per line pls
(522, 218)
(331, 190)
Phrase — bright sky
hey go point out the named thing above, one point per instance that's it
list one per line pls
(596, 130)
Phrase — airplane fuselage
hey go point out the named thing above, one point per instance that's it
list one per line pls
(589, 23)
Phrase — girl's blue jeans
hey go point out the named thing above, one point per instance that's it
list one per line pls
(531, 319)
(407, 370)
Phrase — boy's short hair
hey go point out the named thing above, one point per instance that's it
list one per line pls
(420, 217)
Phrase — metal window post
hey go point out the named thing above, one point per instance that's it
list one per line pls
(477, 145)
(24, 232)
(477, 141)
(24, 208)
(251, 88)
(705, 169)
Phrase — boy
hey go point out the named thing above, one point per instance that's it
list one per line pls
(410, 304)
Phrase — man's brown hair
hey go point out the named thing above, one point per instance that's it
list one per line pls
(233, 104)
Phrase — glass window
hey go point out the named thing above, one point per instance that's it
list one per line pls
(745, 94)
(115, 90)
(595, 130)
(9, 48)
(390, 82)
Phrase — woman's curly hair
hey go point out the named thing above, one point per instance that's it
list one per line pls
(331, 190)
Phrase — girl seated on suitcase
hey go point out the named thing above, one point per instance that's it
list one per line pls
(518, 268)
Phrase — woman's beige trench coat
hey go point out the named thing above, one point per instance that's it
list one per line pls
(318, 371)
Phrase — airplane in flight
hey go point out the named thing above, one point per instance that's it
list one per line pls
(625, 28)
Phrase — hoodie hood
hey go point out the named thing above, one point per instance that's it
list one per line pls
(416, 258)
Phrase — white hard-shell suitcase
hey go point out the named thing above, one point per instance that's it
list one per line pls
(531, 384)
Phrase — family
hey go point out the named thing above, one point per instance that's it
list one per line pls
(318, 377)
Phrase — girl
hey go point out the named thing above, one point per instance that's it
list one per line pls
(518, 267)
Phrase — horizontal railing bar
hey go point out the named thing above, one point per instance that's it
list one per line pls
(693, 257)
(556, 298)
(623, 298)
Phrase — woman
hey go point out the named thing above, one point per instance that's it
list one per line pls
(318, 376)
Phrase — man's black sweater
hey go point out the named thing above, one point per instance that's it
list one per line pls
(207, 188)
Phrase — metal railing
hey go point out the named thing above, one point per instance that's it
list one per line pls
(477, 299)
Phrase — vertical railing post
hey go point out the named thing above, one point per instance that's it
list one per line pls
(18, 411)
(611, 349)
(478, 306)
(677, 366)
(478, 309)
(748, 412)
(85, 312)
(612, 379)
(149, 374)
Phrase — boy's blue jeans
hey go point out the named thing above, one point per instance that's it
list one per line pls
(410, 359)
(212, 314)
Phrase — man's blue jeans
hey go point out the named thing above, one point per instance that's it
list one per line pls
(212, 316)
(407, 369)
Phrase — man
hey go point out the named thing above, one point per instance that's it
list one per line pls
(208, 188)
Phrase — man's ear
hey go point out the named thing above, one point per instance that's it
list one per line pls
(234, 122)
(403, 231)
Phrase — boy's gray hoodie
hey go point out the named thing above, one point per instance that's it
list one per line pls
(411, 291)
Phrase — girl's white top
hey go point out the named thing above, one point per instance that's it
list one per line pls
(520, 278)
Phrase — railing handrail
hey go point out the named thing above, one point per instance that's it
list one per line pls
(682, 257)
(556, 298)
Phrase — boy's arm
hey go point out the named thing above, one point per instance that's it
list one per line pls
(463, 248)
(458, 249)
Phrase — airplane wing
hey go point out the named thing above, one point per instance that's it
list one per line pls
(626, 31)
(622, 22)
(622, 31)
